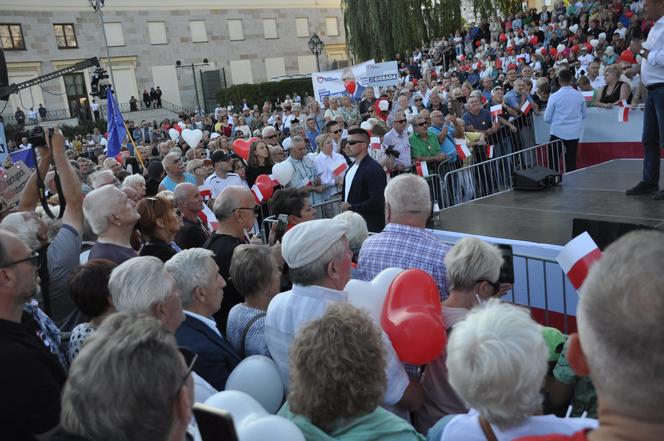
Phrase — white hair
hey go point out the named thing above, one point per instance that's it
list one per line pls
(133, 181)
(496, 362)
(191, 268)
(171, 154)
(99, 205)
(140, 283)
(620, 316)
(101, 178)
(408, 194)
(181, 192)
(357, 231)
(26, 228)
(471, 260)
(267, 130)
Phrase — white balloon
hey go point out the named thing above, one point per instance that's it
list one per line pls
(174, 134)
(271, 427)
(370, 296)
(240, 405)
(259, 377)
(283, 171)
(560, 48)
(594, 43)
(192, 137)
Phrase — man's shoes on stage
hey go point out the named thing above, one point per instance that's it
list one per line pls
(659, 195)
(643, 187)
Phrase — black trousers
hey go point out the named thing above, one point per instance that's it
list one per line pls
(571, 146)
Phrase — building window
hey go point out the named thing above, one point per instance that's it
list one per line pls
(157, 31)
(270, 28)
(12, 37)
(114, 34)
(275, 67)
(65, 36)
(332, 26)
(302, 27)
(235, 31)
(198, 30)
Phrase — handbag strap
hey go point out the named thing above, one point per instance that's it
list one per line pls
(486, 428)
(246, 331)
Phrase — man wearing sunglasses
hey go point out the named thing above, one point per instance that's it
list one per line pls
(32, 377)
(424, 145)
(364, 183)
(334, 130)
(398, 138)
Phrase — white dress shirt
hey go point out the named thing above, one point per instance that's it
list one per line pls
(566, 111)
(401, 144)
(325, 166)
(291, 310)
(208, 321)
(652, 69)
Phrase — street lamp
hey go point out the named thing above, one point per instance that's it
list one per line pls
(316, 46)
(178, 64)
(97, 5)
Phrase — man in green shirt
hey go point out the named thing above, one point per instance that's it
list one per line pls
(424, 146)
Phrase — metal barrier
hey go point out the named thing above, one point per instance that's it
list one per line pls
(495, 175)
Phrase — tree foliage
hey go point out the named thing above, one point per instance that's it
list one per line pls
(380, 29)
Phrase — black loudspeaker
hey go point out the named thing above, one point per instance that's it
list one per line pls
(605, 232)
(535, 178)
(4, 79)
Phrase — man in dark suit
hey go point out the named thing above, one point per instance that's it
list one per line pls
(197, 276)
(364, 182)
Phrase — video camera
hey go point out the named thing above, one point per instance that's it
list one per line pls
(37, 136)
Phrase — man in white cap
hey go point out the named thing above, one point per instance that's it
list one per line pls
(319, 261)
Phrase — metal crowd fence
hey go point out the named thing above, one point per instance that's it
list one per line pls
(484, 178)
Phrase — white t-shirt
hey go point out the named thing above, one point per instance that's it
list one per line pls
(467, 427)
(94, 106)
(350, 175)
(217, 184)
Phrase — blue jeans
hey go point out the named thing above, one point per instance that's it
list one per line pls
(653, 135)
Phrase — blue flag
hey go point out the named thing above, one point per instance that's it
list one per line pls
(116, 128)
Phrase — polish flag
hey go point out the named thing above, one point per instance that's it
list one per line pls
(526, 108)
(462, 149)
(623, 103)
(374, 142)
(208, 218)
(588, 95)
(623, 114)
(496, 111)
(422, 169)
(340, 169)
(257, 194)
(577, 257)
(489, 151)
(205, 192)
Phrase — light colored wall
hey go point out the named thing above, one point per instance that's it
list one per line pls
(38, 16)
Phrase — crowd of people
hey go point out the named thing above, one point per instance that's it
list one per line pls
(132, 286)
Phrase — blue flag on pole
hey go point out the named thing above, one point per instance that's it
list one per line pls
(116, 127)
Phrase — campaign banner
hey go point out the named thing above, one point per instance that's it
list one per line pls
(4, 150)
(349, 81)
(383, 74)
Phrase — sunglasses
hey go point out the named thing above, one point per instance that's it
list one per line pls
(422, 124)
(271, 137)
(33, 259)
(401, 121)
(494, 285)
(255, 209)
(353, 142)
(190, 358)
(336, 132)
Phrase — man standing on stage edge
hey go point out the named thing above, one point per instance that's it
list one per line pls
(652, 75)
(565, 112)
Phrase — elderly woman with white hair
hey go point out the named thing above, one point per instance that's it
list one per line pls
(497, 360)
(137, 182)
(357, 232)
(473, 269)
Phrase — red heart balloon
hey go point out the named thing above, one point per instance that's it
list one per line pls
(262, 189)
(553, 51)
(534, 40)
(412, 317)
(241, 147)
(350, 86)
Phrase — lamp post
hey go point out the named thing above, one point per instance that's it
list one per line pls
(178, 64)
(97, 5)
(316, 46)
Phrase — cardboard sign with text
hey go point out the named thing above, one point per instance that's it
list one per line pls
(12, 181)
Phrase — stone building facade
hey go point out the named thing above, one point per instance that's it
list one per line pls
(247, 41)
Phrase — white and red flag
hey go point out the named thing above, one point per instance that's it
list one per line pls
(462, 149)
(496, 111)
(588, 95)
(374, 142)
(623, 114)
(489, 151)
(623, 103)
(526, 108)
(577, 257)
(422, 168)
(342, 167)
(258, 195)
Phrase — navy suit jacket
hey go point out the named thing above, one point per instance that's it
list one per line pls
(216, 356)
(366, 193)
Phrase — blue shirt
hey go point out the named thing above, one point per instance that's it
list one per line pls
(479, 122)
(170, 184)
(566, 111)
(311, 136)
(447, 145)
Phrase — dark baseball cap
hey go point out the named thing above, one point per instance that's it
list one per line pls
(220, 156)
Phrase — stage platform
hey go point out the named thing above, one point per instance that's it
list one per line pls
(596, 192)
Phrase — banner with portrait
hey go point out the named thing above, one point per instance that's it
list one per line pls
(349, 81)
